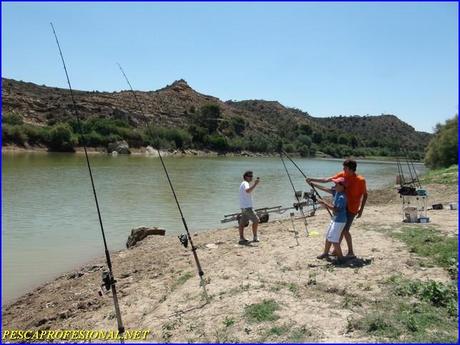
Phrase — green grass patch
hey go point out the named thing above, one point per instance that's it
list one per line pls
(264, 311)
(299, 335)
(278, 330)
(440, 249)
(181, 280)
(444, 176)
(228, 321)
(404, 320)
(436, 293)
(415, 310)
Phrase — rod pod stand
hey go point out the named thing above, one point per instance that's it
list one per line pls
(296, 196)
(296, 234)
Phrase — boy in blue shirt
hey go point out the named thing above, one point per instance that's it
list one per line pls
(339, 219)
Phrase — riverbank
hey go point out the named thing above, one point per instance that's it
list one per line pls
(143, 151)
(272, 291)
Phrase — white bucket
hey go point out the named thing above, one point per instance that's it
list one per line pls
(410, 213)
(453, 205)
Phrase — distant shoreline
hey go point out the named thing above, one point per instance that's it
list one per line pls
(190, 153)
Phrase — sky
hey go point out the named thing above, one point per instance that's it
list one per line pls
(327, 59)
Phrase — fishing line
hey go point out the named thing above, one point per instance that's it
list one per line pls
(305, 176)
(413, 168)
(107, 277)
(182, 238)
(296, 196)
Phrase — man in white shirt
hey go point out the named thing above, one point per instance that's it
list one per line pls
(247, 213)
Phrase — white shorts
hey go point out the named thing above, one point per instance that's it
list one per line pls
(334, 231)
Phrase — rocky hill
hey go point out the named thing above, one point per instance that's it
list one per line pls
(201, 121)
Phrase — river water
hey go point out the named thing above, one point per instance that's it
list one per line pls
(49, 219)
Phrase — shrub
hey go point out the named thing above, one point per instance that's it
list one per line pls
(304, 151)
(289, 148)
(198, 134)
(305, 129)
(218, 142)
(13, 134)
(95, 139)
(12, 119)
(62, 138)
(36, 135)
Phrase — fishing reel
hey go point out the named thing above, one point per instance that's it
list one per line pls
(310, 196)
(305, 195)
(300, 204)
(183, 240)
(107, 282)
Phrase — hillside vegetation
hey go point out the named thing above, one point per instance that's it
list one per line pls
(178, 117)
(442, 150)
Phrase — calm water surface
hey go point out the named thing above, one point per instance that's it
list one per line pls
(49, 220)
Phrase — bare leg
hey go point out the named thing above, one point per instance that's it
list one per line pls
(241, 230)
(347, 236)
(338, 250)
(327, 246)
(254, 229)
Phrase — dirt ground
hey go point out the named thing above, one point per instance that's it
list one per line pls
(159, 288)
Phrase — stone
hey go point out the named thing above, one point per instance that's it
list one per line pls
(142, 232)
(119, 147)
(149, 150)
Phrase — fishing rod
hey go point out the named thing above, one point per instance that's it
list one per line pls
(402, 180)
(305, 176)
(184, 239)
(107, 277)
(408, 166)
(296, 196)
(413, 168)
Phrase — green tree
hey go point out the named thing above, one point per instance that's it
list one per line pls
(442, 150)
(317, 137)
(354, 142)
(209, 117)
(305, 140)
(305, 129)
(239, 125)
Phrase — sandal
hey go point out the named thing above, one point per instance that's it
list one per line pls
(322, 256)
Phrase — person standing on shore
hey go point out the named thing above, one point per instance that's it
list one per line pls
(356, 193)
(338, 220)
(246, 205)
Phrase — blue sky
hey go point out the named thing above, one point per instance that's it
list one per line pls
(325, 58)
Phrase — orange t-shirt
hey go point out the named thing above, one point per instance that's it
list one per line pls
(355, 189)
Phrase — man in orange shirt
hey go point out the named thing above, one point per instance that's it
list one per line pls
(356, 193)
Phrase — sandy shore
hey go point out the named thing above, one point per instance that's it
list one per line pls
(159, 289)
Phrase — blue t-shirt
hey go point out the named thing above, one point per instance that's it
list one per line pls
(340, 202)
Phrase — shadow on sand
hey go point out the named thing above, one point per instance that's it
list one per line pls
(351, 263)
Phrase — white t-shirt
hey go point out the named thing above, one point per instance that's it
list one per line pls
(245, 197)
